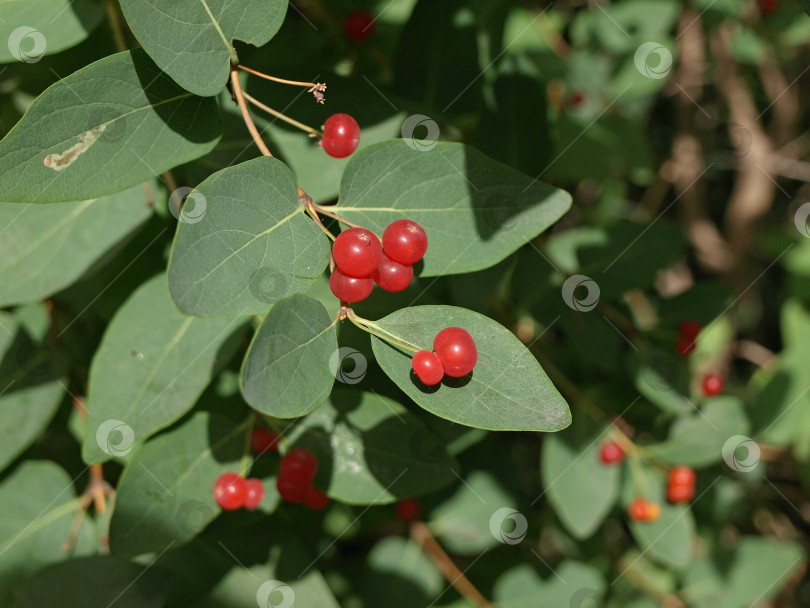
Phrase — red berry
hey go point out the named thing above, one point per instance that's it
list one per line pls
(255, 493)
(341, 134)
(684, 346)
(263, 440)
(576, 99)
(611, 453)
(315, 499)
(298, 465)
(427, 366)
(349, 289)
(357, 252)
(393, 276)
(405, 241)
(359, 26)
(680, 493)
(642, 509)
(713, 384)
(291, 490)
(689, 329)
(408, 510)
(456, 350)
(767, 7)
(230, 491)
(682, 476)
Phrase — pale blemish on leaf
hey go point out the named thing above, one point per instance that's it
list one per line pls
(59, 162)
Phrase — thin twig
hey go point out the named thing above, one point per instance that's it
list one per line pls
(284, 117)
(298, 83)
(335, 216)
(240, 100)
(115, 26)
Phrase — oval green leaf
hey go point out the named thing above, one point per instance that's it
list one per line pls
(475, 211)
(165, 495)
(152, 365)
(248, 244)
(286, 372)
(192, 40)
(371, 450)
(111, 125)
(507, 390)
(45, 248)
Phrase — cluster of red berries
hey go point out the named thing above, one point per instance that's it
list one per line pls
(687, 337)
(341, 134)
(296, 475)
(454, 353)
(232, 491)
(641, 509)
(681, 484)
(360, 259)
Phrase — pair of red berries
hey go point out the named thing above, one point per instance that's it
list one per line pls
(687, 337)
(681, 484)
(641, 509)
(611, 453)
(341, 135)
(360, 259)
(232, 491)
(296, 476)
(454, 353)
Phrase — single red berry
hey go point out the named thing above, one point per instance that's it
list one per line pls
(393, 276)
(611, 453)
(315, 499)
(576, 99)
(255, 493)
(456, 350)
(230, 491)
(348, 288)
(689, 328)
(298, 465)
(680, 493)
(341, 134)
(682, 475)
(263, 440)
(684, 346)
(427, 366)
(408, 510)
(642, 509)
(405, 241)
(359, 26)
(713, 384)
(291, 490)
(767, 7)
(357, 252)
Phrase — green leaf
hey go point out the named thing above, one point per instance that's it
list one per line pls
(45, 248)
(34, 28)
(571, 584)
(507, 390)
(90, 582)
(669, 540)
(249, 245)
(400, 575)
(468, 521)
(111, 125)
(371, 450)
(165, 494)
(751, 575)
(152, 365)
(475, 211)
(580, 488)
(30, 377)
(192, 40)
(286, 372)
(697, 439)
(662, 378)
(39, 505)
